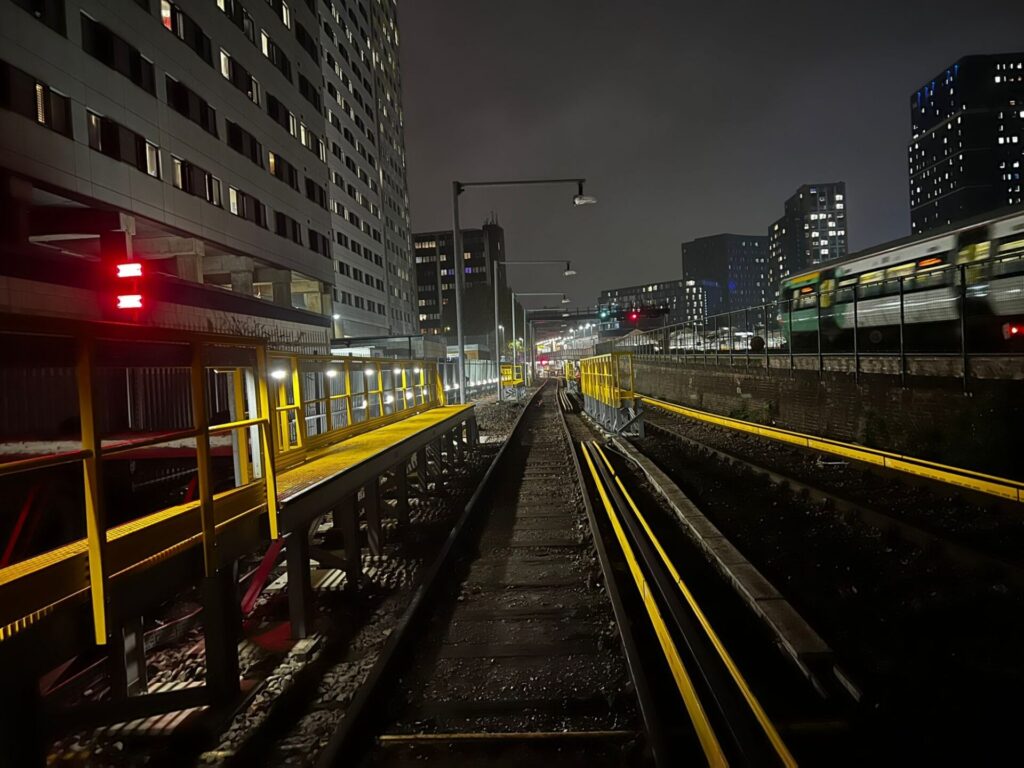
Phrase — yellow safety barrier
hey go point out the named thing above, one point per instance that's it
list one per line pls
(964, 478)
(608, 379)
(511, 375)
(267, 409)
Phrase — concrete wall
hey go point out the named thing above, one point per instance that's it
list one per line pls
(931, 418)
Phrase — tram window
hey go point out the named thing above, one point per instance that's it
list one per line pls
(1010, 259)
(870, 285)
(844, 294)
(929, 278)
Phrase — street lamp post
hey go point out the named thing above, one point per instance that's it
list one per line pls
(458, 187)
(565, 300)
(569, 272)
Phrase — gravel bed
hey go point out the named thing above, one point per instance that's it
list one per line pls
(935, 646)
(991, 527)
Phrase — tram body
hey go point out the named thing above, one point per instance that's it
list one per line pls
(914, 286)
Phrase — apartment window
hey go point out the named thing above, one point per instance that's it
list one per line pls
(187, 102)
(279, 113)
(276, 56)
(23, 94)
(307, 42)
(244, 143)
(286, 226)
(310, 92)
(120, 143)
(281, 169)
(111, 50)
(319, 243)
(316, 193)
(186, 30)
(246, 206)
(192, 179)
(50, 12)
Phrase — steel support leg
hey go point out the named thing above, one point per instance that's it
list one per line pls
(474, 432)
(349, 520)
(300, 584)
(421, 468)
(371, 506)
(128, 659)
(402, 495)
(221, 628)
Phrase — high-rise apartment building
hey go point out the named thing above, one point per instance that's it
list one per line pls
(435, 279)
(253, 145)
(967, 141)
(812, 231)
(738, 264)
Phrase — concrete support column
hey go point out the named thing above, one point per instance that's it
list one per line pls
(371, 507)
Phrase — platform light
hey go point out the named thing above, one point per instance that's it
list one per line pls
(569, 271)
(397, 371)
(408, 394)
(336, 316)
(415, 370)
(370, 371)
(331, 373)
(388, 399)
(278, 373)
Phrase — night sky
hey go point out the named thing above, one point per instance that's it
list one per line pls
(687, 118)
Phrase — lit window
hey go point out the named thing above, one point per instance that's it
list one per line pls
(225, 63)
(152, 160)
(233, 200)
(40, 104)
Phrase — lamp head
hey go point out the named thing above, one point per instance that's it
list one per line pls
(569, 271)
(581, 199)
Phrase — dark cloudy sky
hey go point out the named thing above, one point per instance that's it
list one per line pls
(687, 118)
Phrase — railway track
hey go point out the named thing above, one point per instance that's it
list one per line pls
(566, 621)
(514, 654)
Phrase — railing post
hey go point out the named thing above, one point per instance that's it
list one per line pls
(856, 342)
(767, 342)
(792, 334)
(732, 335)
(300, 407)
(818, 306)
(95, 514)
(748, 336)
(903, 349)
(266, 432)
(717, 343)
(201, 422)
(963, 326)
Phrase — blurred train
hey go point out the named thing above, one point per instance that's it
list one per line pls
(920, 279)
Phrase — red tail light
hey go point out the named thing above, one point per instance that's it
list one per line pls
(1013, 330)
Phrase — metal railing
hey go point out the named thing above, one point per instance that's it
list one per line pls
(250, 412)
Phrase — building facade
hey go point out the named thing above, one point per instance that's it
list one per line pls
(812, 231)
(250, 145)
(967, 141)
(681, 301)
(435, 280)
(737, 264)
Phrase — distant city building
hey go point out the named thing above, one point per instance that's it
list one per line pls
(682, 300)
(812, 231)
(967, 144)
(435, 279)
(737, 264)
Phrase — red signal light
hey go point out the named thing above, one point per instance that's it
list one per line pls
(634, 316)
(1013, 331)
(130, 269)
(129, 274)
